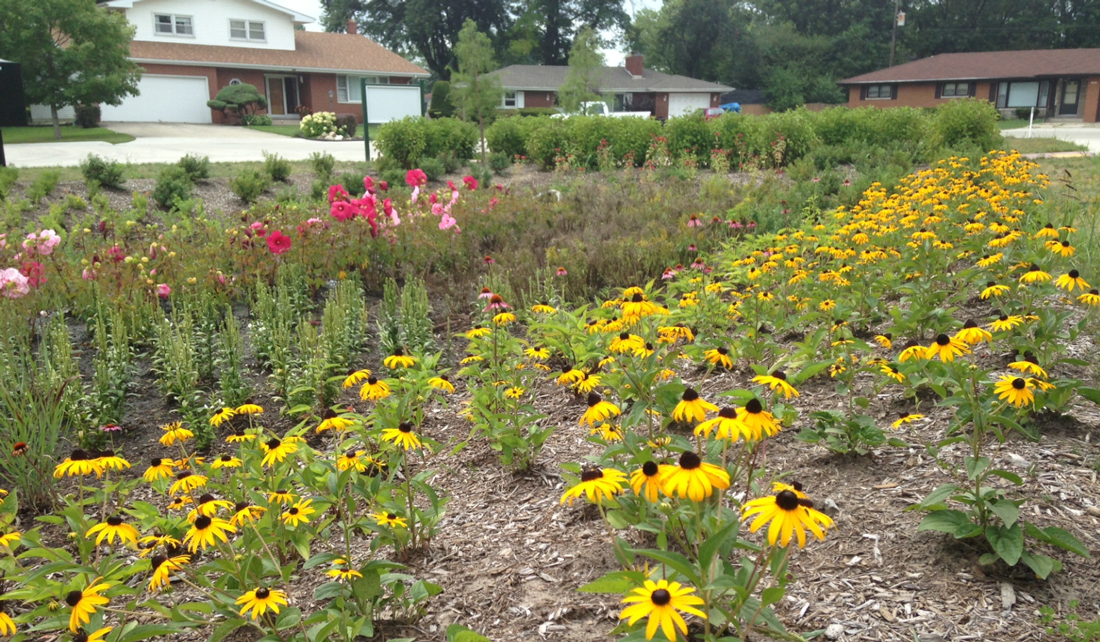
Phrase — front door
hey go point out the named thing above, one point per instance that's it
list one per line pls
(276, 98)
(1070, 92)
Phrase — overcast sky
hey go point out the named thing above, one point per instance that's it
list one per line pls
(313, 8)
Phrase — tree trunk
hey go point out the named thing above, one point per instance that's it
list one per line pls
(56, 122)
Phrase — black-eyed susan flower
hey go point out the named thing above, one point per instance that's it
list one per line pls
(946, 348)
(669, 334)
(658, 442)
(890, 371)
(186, 481)
(159, 468)
(179, 503)
(758, 421)
(504, 318)
(693, 478)
(514, 392)
(1048, 231)
(1015, 390)
(331, 420)
(245, 513)
(972, 334)
(174, 432)
(391, 520)
(477, 332)
(662, 602)
(1071, 280)
(280, 496)
(1092, 298)
(351, 459)
(646, 481)
(442, 383)
(719, 356)
(570, 375)
(607, 432)
(355, 377)
(789, 515)
(260, 600)
(108, 460)
(250, 409)
(725, 426)
(299, 513)
(84, 602)
(403, 436)
(1006, 322)
(205, 531)
(1060, 248)
(913, 351)
(538, 354)
(374, 389)
(162, 568)
(598, 410)
(993, 290)
(208, 505)
(543, 308)
(114, 528)
(341, 570)
(1034, 274)
(225, 461)
(905, 418)
(240, 436)
(589, 383)
(149, 543)
(1029, 366)
(276, 450)
(10, 540)
(597, 484)
(625, 342)
(692, 407)
(79, 463)
(7, 625)
(989, 260)
(884, 340)
(778, 383)
(222, 416)
(399, 360)
(638, 306)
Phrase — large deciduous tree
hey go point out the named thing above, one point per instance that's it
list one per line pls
(554, 25)
(71, 51)
(585, 71)
(475, 94)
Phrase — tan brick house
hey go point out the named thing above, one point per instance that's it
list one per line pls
(1059, 83)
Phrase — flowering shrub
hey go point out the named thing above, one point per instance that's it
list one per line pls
(321, 124)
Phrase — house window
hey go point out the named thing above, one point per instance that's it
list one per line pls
(235, 82)
(954, 90)
(168, 24)
(623, 102)
(349, 91)
(247, 30)
(879, 92)
(1023, 94)
(508, 101)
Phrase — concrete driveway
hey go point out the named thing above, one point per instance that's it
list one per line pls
(168, 142)
(1088, 135)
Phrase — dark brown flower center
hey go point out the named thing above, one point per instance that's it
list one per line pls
(206, 497)
(156, 462)
(787, 500)
(240, 506)
(754, 406)
(273, 443)
(690, 395)
(690, 461)
(157, 560)
(73, 598)
(203, 523)
(328, 414)
(943, 340)
(405, 427)
(398, 352)
(262, 593)
(969, 324)
(590, 474)
(1018, 383)
(293, 510)
(723, 351)
(637, 298)
(183, 474)
(372, 380)
(1073, 274)
(649, 468)
(79, 455)
(623, 336)
(226, 458)
(660, 597)
(727, 413)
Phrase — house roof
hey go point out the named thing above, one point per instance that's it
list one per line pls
(983, 65)
(299, 18)
(744, 97)
(551, 77)
(313, 51)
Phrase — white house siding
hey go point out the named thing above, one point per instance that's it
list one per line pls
(210, 20)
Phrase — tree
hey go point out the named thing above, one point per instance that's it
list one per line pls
(72, 52)
(555, 25)
(586, 64)
(429, 28)
(476, 94)
(705, 39)
(238, 99)
(441, 105)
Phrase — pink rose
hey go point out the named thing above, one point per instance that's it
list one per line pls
(13, 284)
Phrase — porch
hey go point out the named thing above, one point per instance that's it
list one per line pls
(1065, 99)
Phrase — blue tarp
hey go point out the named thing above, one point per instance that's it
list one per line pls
(734, 107)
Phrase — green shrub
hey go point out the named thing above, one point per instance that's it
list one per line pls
(238, 100)
(968, 120)
(545, 140)
(101, 171)
(441, 105)
(451, 163)
(433, 168)
(499, 162)
(276, 167)
(262, 120)
(322, 163)
(197, 167)
(403, 140)
(347, 125)
(509, 136)
(451, 136)
(86, 116)
(43, 186)
(249, 184)
(352, 182)
(8, 176)
(690, 136)
(318, 124)
(173, 185)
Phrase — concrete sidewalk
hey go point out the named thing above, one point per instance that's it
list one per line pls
(1087, 135)
(168, 142)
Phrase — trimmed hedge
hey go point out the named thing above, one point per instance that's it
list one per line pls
(413, 138)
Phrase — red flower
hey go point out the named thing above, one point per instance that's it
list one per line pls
(337, 193)
(343, 210)
(35, 273)
(416, 178)
(471, 183)
(278, 242)
(384, 186)
(368, 184)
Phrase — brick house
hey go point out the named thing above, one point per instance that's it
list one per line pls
(631, 87)
(1059, 83)
(190, 50)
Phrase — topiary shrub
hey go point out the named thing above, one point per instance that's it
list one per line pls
(248, 185)
(277, 167)
(197, 167)
(238, 100)
(86, 116)
(103, 172)
(173, 185)
(441, 105)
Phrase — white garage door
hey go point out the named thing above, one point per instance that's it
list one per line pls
(682, 104)
(164, 99)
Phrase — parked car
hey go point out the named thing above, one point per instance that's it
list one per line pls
(600, 108)
(710, 113)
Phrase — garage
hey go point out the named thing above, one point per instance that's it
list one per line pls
(164, 99)
(683, 103)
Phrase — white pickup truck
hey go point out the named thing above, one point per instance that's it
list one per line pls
(600, 108)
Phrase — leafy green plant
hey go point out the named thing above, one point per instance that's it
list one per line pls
(322, 164)
(235, 388)
(249, 185)
(1072, 627)
(173, 186)
(43, 186)
(197, 167)
(99, 170)
(276, 167)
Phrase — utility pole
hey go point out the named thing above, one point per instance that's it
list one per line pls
(894, 33)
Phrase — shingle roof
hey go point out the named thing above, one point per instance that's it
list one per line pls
(744, 97)
(313, 51)
(551, 77)
(1035, 63)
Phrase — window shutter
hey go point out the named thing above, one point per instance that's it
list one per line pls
(863, 92)
(939, 90)
(993, 93)
(972, 90)
(893, 92)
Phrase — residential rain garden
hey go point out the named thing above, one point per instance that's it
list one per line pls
(747, 379)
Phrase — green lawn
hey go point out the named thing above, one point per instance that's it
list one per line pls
(1041, 145)
(217, 170)
(1012, 123)
(69, 133)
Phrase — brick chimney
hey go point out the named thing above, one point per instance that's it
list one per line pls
(634, 64)
(352, 27)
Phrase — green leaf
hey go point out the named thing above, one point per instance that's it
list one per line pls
(459, 633)
(1041, 564)
(1012, 477)
(1092, 394)
(146, 631)
(1058, 537)
(675, 561)
(975, 466)
(1007, 541)
(945, 521)
(939, 495)
(772, 595)
(1006, 510)
(225, 628)
(290, 616)
(617, 582)
(713, 544)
